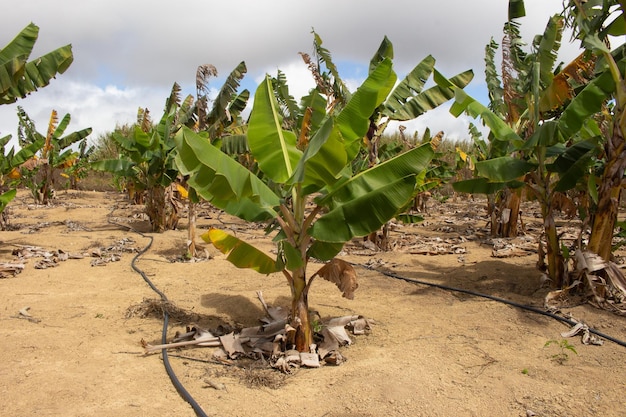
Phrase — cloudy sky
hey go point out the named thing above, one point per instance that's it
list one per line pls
(128, 54)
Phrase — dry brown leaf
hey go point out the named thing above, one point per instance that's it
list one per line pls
(342, 274)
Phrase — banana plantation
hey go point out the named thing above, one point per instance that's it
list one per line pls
(319, 198)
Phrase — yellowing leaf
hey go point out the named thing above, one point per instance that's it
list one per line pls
(240, 253)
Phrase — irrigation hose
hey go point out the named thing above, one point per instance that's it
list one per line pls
(196, 407)
(166, 318)
(498, 299)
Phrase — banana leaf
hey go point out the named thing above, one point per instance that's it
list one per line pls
(365, 213)
(587, 103)
(478, 186)
(324, 251)
(412, 162)
(353, 121)
(273, 147)
(6, 197)
(219, 179)
(240, 253)
(227, 92)
(499, 129)
(408, 101)
(503, 169)
(119, 166)
(19, 78)
(330, 148)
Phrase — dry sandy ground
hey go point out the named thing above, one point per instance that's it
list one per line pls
(432, 352)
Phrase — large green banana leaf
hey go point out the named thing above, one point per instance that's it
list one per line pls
(221, 180)
(273, 147)
(499, 129)
(503, 169)
(364, 214)
(18, 78)
(73, 137)
(408, 163)
(478, 186)
(549, 46)
(586, 103)
(119, 166)
(353, 121)
(330, 148)
(573, 164)
(14, 159)
(408, 101)
(240, 253)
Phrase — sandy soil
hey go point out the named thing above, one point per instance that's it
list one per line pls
(432, 352)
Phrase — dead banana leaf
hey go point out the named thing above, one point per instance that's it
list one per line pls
(342, 274)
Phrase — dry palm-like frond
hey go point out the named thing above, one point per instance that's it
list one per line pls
(143, 119)
(288, 106)
(174, 99)
(436, 140)
(339, 90)
(203, 73)
(320, 82)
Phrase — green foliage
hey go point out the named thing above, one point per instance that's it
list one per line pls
(55, 156)
(20, 77)
(304, 183)
(146, 160)
(563, 345)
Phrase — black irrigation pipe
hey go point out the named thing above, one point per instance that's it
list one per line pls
(166, 318)
(494, 298)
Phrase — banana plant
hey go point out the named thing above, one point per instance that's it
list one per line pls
(18, 78)
(304, 187)
(593, 23)
(55, 155)
(547, 150)
(147, 157)
(10, 163)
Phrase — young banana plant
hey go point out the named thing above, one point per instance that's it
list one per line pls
(306, 187)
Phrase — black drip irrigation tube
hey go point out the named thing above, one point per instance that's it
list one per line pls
(166, 318)
(498, 299)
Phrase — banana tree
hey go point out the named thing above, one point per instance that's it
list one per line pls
(147, 158)
(56, 154)
(18, 78)
(555, 150)
(593, 22)
(10, 163)
(305, 187)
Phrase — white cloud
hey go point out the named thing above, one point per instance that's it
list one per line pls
(129, 53)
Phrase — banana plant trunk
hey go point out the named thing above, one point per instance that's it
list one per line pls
(609, 192)
(509, 213)
(155, 208)
(300, 319)
(556, 261)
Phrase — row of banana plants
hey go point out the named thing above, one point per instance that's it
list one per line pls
(555, 130)
(40, 155)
